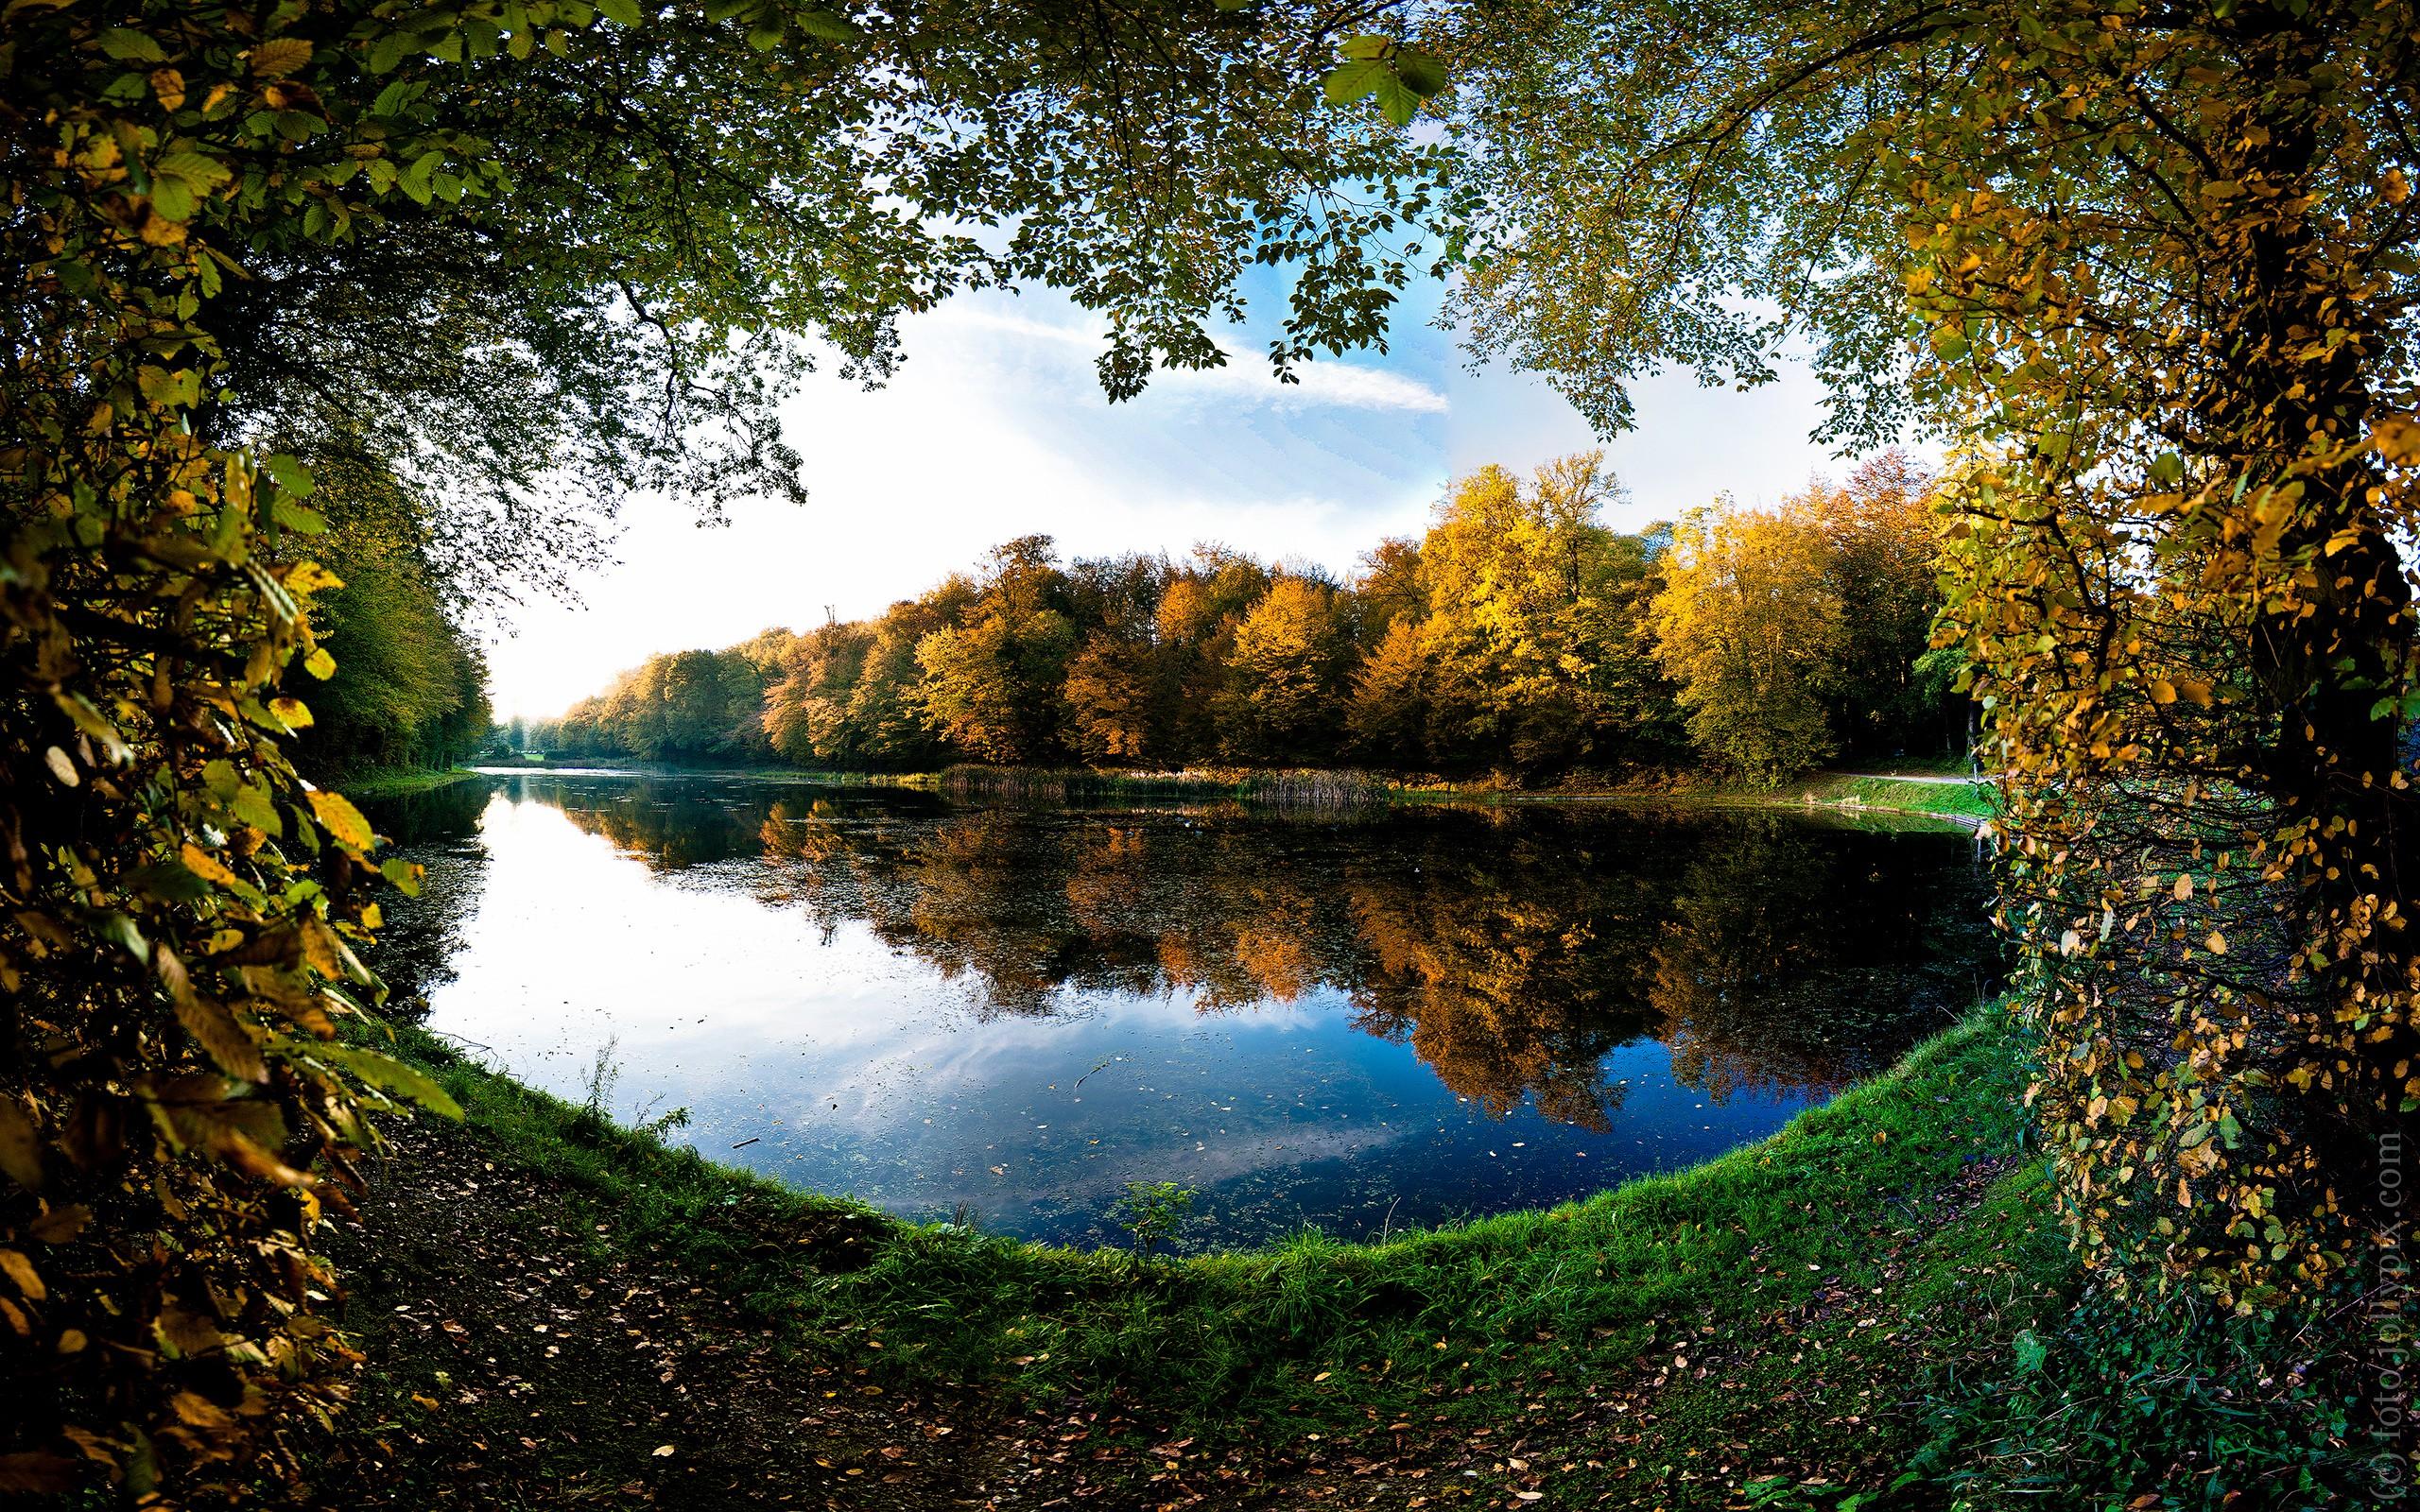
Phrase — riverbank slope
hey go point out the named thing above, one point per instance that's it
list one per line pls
(556, 1311)
(401, 783)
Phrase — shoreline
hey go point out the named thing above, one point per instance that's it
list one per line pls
(1627, 1328)
(1966, 802)
(386, 784)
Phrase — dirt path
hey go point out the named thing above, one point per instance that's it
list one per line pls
(515, 1361)
(509, 1367)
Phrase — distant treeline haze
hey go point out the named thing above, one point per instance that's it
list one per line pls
(1518, 634)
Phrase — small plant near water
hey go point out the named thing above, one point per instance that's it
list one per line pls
(1154, 1211)
(595, 1118)
(603, 1075)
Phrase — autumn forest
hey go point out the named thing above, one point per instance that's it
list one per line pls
(1519, 634)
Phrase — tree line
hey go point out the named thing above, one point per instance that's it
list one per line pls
(1519, 633)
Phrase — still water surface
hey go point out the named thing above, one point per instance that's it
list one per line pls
(1007, 1013)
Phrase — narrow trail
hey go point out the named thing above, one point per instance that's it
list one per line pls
(512, 1366)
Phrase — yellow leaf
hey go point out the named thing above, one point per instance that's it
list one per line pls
(2217, 943)
(2397, 438)
(310, 578)
(20, 1271)
(280, 55)
(294, 712)
(2184, 885)
(205, 866)
(342, 819)
(217, 1029)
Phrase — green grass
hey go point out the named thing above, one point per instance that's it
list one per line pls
(1533, 1312)
(1875, 1303)
(1969, 800)
(400, 782)
(1962, 801)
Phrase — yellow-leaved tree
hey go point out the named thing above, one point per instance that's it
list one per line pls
(1749, 624)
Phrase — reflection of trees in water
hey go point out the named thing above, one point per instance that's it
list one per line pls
(440, 829)
(670, 826)
(1787, 964)
(1509, 962)
(1513, 950)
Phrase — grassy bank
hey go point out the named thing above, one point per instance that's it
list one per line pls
(1940, 796)
(1873, 1308)
(401, 783)
(1773, 1312)
(1957, 798)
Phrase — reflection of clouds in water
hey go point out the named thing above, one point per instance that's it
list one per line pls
(1131, 1051)
(1214, 1165)
(824, 972)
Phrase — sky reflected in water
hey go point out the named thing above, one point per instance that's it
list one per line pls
(1381, 1020)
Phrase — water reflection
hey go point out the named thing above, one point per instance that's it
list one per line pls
(1432, 1011)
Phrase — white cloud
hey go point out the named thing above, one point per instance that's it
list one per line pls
(1245, 379)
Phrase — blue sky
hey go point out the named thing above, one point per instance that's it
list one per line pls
(995, 427)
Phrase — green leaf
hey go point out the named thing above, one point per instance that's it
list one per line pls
(386, 1073)
(116, 926)
(386, 52)
(1421, 72)
(414, 181)
(1397, 100)
(1348, 83)
(1367, 47)
(254, 807)
(130, 46)
(170, 881)
(198, 171)
(2031, 1353)
(293, 477)
(621, 12)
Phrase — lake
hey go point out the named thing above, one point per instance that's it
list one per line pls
(1004, 1014)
